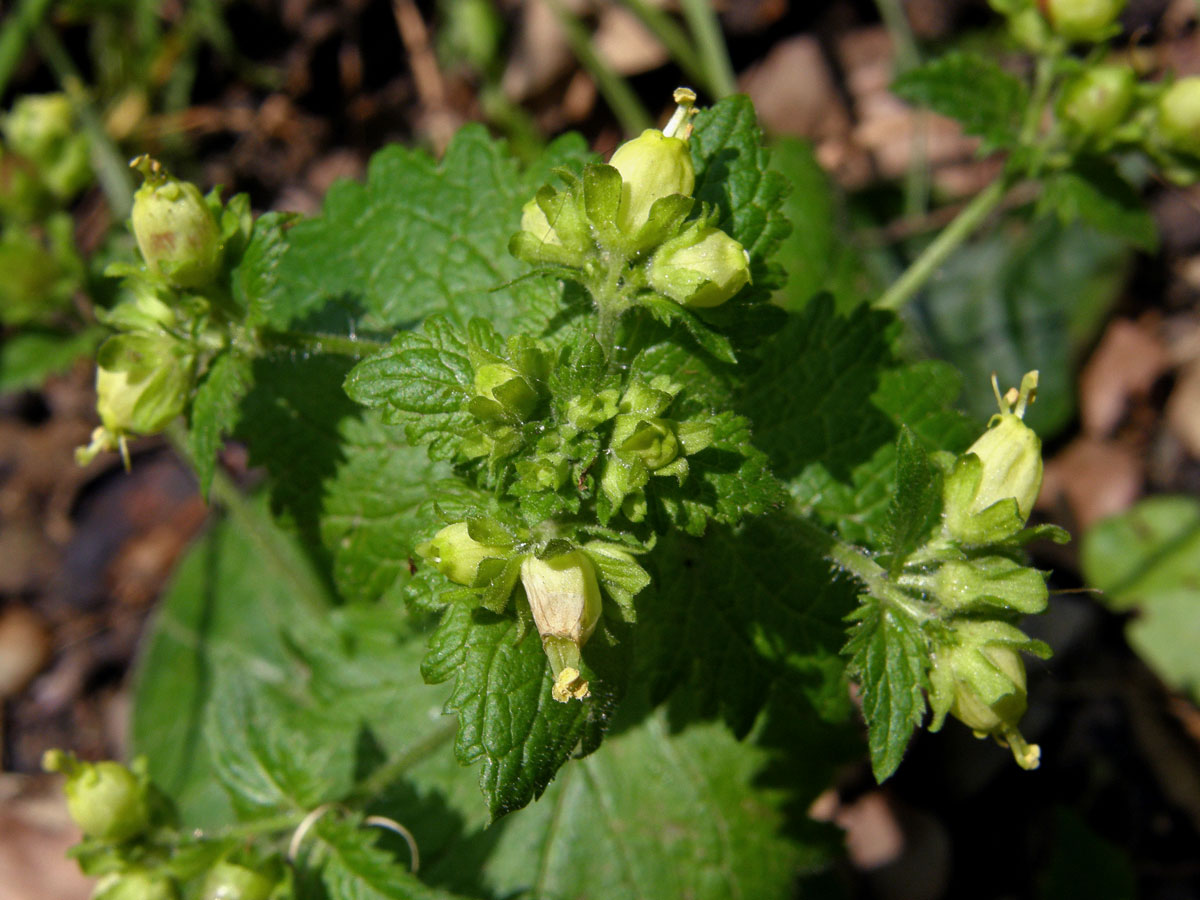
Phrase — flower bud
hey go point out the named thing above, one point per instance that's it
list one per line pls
(1006, 466)
(229, 881)
(980, 680)
(587, 410)
(42, 129)
(135, 886)
(503, 384)
(105, 799)
(175, 229)
(142, 382)
(457, 555)
(564, 597)
(1084, 20)
(1098, 100)
(653, 441)
(703, 267)
(1178, 116)
(652, 166)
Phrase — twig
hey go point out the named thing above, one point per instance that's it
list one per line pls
(714, 55)
(431, 87)
(616, 90)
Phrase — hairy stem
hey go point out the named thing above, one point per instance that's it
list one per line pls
(714, 55)
(858, 563)
(931, 259)
(985, 202)
(307, 342)
(390, 771)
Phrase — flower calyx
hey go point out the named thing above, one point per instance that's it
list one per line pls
(1084, 21)
(1097, 102)
(702, 267)
(176, 229)
(231, 881)
(978, 677)
(143, 382)
(990, 490)
(564, 598)
(645, 443)
(108, 801)
(509, 384)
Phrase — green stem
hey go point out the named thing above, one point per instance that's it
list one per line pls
(320, 343)
(855, 561)
(616, 90)
(14, 38)
(392, 770)
(675, 39)
(908, 56)
(924, 266)
(287, 822)
(612, 304)
(714, 55)
(111, 169)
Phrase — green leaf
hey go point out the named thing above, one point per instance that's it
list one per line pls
(819, 254)
(423, 379)
(728, 481)
(669, 811)
(423, 237)
(1148, 560)
(223, 613)
(507, 718)
(378, 507)
(917, 504)
(842, 465)
(1023, 298)
(888, 653)
(215, 408)
(31, 355)
(355, 493)
(254, 278)
(985, 99)
(270, 753)
(732, 175)
(740, 612)
(357, 869)
(670, 312)
(1093, 192)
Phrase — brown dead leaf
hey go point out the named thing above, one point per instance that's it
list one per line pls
(625, 43)
(35, 834)
(1127, 362)
(794, 92)
(1183, 408)
(1093, 478)
(540, 55)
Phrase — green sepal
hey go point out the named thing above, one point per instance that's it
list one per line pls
(619, 574)
(996, 524)
(601, 188)
(990, 581)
